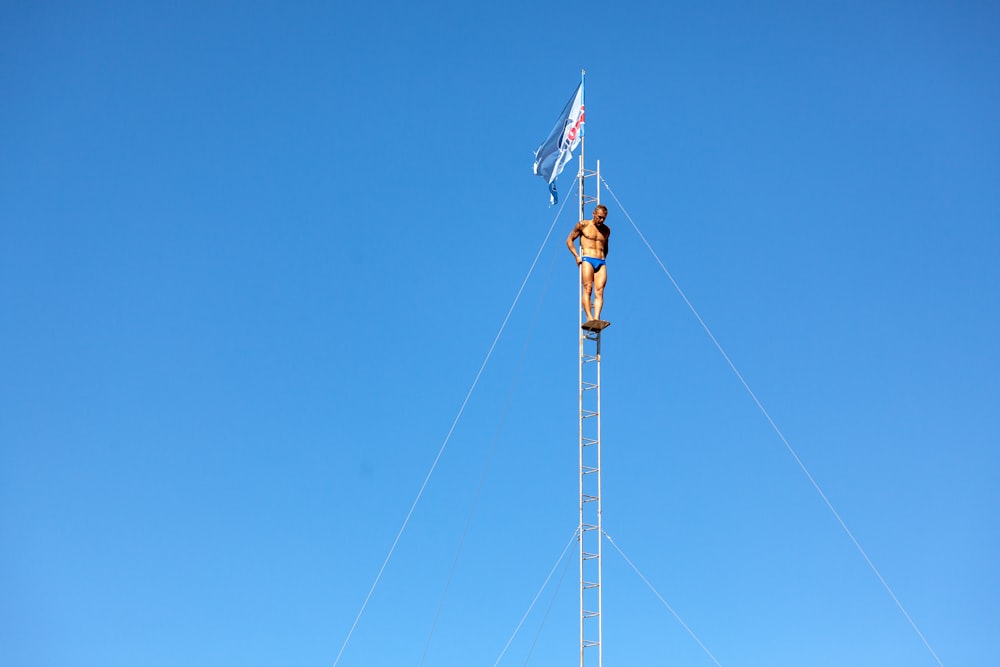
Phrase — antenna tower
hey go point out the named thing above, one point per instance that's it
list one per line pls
(590, 530)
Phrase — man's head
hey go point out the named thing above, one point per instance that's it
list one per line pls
(600, 213)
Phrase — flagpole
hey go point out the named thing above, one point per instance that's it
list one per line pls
(581, 176)
(550, 158)
(581, 190)
(583, 141)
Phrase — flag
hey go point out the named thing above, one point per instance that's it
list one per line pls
(557, 150)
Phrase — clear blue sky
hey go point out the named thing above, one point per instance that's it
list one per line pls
(252, 256)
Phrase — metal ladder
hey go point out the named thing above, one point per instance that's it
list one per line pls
(589, 536)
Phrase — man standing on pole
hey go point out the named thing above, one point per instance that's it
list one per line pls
(594, 238)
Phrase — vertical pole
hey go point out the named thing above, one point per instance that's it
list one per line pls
(583, 640)
(580, 535)
(600, 512)
(597, 199)
(579, 308)
(580, 530)
(590, 531)
(583, 138)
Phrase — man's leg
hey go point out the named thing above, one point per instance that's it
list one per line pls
(587, 274)
(600, 280)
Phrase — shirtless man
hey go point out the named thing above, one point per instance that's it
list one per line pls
(594, 236)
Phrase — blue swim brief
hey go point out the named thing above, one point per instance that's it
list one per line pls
(594, 262)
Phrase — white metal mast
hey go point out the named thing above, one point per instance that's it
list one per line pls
(590, 531)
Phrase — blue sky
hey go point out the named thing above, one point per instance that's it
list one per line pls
(253, 255)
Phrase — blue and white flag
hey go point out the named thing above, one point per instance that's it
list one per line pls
(557, 150)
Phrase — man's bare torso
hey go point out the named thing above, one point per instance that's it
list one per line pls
(593, 239)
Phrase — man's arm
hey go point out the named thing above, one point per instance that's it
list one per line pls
(571, 241)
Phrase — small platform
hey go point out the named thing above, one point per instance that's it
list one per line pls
(596, 325)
